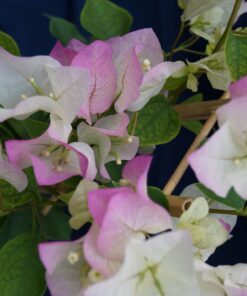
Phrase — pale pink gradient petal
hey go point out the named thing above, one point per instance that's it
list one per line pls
(99, 199)
(129, 80)
(46, 174)
(94, 258)
(145, 42)
(62, 54)
(153, 82)
(136, 171)
(234, 113)
(215, 160)
(239, 88)
(62, 278)
(51, 254)
(129, 216)
(97, 59)
(19, 151)
(113, 125)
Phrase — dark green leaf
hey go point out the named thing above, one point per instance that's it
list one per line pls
(64, 30)
(55, 225)
(193, 125)
(21, 272)
(10, 198)
(236, 55)
(232, 199)
(157, 123)
(158, 196)
(104, 19)
(28, 128)
(8, 43)
(115, 170)
(15, 224)
(174, 83)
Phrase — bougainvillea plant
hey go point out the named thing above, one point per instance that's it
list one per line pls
(77, 131)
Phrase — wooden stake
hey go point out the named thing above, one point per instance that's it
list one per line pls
(183, 165)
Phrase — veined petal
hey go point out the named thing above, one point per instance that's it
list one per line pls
(129, 80)
(70, 86)
(15, 75)
(128, 216)
(113, 125)
(97, 59)
(153, 82)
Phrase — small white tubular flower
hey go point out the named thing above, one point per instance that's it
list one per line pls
(207, 232)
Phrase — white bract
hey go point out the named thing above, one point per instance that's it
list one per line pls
(160, 266)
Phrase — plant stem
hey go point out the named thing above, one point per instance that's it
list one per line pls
(183, 165)
(135, 123)
(180, 33)
(229, 25)
(201, 53)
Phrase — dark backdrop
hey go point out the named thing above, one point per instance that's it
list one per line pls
(24, 20)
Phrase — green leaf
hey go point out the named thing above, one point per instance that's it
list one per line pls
(55, 225)
(64, 30)
(232, 199)
(115, 170)
(10, 198)
(21, 272)
(8, 43)
(15, 224)
(28, 128)
(157, 123)
(236, 55)
(104, 19)
(158, 196)
(193, 125)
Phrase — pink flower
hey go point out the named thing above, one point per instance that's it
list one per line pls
(53, 161)
(133, 63)
(65, 267)
(121, 214)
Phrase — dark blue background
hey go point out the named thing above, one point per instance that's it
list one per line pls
(23, 20)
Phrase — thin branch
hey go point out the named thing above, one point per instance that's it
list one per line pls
(229, 25)
(183, 165)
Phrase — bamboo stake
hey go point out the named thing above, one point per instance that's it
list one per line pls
(183, 165)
